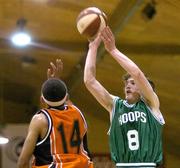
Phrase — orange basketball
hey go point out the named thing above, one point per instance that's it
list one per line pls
(91, 21)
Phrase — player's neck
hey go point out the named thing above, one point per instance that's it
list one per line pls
(132, 101)
(61, 107)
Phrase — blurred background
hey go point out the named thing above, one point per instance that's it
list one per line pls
(146, 30)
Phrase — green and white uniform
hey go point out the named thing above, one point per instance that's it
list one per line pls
(135, 135)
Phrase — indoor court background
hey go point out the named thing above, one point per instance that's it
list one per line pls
(148, 31)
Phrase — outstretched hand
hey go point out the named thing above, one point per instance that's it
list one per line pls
(96, 42)
(108, 39)
(55, 69)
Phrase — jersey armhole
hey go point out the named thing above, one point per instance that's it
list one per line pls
(160, 118)
(82, 116)
(115, 98)
(113, 109)
(49, 126)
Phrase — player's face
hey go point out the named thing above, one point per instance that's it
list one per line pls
(131, 91)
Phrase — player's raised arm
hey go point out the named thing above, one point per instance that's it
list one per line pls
(96, 89)
(55, 69)
(128, 65)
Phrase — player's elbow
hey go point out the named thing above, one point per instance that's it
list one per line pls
(88, 78)
(137, 73)
(88, 81)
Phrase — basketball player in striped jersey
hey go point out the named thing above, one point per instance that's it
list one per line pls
(135, 134)
(57, 135)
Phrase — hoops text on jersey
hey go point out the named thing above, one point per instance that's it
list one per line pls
(132, 117)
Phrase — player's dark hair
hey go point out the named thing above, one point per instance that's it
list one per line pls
(54, 90)
(126, 76)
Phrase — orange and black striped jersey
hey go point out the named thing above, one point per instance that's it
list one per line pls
(62, 147)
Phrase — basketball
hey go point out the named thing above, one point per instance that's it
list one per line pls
(90, 22)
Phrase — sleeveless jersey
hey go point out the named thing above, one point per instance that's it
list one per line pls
(135, 135)
(62, 147)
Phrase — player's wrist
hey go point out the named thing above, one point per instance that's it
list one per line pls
(93, 47)
(113, 50)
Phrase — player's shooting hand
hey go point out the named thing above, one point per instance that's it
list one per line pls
(96, 42)
(55, 69)
(108, 39)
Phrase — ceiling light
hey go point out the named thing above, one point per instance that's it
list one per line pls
(3, 140)
(21, 38)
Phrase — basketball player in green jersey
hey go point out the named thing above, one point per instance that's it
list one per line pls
(136, 121)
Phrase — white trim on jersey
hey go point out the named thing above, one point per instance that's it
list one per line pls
(83, 151)
(53, 140)
(49, 127)
(159, 118)
(136, 164)
(113, 109)
(85, 124)
(127, 104)
(50, 165)
(113, 112)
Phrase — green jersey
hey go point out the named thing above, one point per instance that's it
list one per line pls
(135, 135)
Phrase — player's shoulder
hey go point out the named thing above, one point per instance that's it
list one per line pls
(78, 112)
(74, 107)
(39, 119)
(117, 99)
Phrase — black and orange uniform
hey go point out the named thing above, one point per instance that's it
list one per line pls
(63, 146)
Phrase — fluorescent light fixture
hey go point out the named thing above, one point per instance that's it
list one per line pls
(21, 39)
(3, 140)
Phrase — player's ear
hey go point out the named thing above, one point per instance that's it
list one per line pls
(41, 99)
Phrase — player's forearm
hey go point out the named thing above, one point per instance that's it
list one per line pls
(90, 66)
(126, 63)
